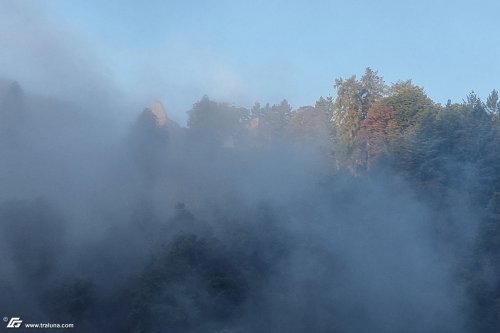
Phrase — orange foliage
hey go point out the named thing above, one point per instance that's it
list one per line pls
(376, 134)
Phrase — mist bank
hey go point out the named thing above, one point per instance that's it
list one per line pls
(373, 211)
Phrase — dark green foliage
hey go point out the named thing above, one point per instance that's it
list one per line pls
(195, 283)
(410, 104)
(216, 123)
(454, 148)
(484, 272)
(200, 284)
(272, 121)
(72, 300)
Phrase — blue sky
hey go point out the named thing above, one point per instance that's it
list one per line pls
(244, 51)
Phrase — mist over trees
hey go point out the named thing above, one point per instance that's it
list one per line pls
(375, 210)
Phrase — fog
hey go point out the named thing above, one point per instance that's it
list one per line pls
(159, 227)
(116, 218)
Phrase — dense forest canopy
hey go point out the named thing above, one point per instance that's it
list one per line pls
(374, 210)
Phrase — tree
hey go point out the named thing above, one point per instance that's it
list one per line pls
(148, 141)
(454, 149)
(269, 123)
(372, 90)
(492, 102)
(353, 101)
(377, 134)
(327, 107)
(409, 102)
(309, 126)
(484, 291)
(215, 123)
(192, 285)
(347, 117)
(278, 117)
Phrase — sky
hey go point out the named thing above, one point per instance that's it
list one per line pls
(241, 52)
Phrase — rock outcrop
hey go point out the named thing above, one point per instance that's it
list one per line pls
(158, 113)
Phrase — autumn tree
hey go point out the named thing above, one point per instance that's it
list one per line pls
(353, 101)
(376, 135)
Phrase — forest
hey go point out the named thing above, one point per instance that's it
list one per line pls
(374, 210)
